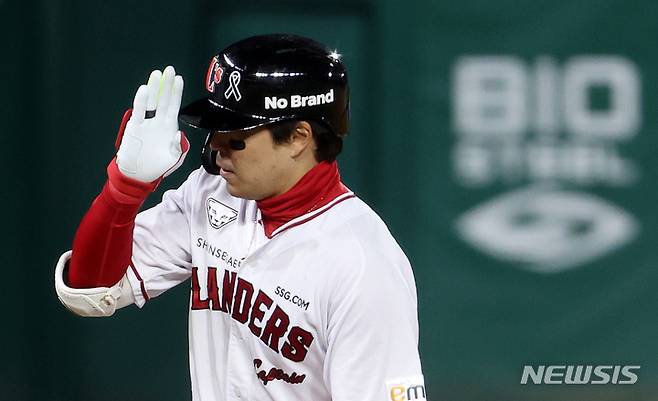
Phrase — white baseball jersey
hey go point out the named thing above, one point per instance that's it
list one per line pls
(325, 309)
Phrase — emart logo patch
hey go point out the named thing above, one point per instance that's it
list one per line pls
(406, 389)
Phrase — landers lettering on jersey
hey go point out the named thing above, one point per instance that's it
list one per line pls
(240, 301)
(296, 101)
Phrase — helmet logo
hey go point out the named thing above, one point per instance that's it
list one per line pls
(214, 75)
(234, 80)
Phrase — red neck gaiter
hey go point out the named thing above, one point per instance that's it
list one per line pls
(315, 189)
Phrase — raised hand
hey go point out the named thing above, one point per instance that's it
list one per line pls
(151, 146)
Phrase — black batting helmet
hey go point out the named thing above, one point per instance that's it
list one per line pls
(272, 78)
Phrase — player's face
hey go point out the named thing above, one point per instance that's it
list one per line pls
(260, 170)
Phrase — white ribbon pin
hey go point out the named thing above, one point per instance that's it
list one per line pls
(234, 80)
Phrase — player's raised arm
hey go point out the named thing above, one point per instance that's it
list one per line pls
(150, 147)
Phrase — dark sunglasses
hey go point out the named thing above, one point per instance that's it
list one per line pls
(237, 144)
(240, 144)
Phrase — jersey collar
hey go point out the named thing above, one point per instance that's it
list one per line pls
(316, 192)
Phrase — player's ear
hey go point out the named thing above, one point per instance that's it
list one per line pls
(301, 138)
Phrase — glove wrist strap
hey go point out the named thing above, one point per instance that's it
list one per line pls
(126, 190)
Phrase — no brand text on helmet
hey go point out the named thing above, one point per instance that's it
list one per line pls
(297, 101)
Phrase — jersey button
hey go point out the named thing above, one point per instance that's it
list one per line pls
(237, 392)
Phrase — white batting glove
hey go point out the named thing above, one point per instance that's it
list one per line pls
(152, 147)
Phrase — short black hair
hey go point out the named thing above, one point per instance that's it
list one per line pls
(329, 145)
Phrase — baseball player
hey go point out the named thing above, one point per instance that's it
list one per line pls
(297, 289)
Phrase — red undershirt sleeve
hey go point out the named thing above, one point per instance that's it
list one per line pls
(102, 247)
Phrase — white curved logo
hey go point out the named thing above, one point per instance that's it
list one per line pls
(219, 214)
(233, 89)
(546, 229)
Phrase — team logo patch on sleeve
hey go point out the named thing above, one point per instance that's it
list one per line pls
(219, 214)
(410, 388)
